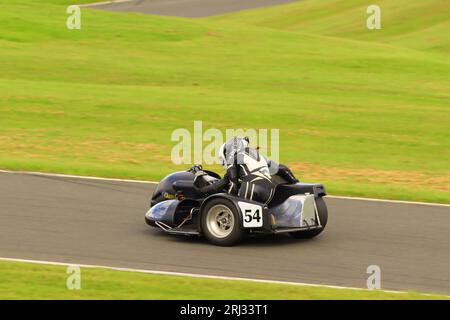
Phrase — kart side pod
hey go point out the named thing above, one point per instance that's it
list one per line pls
(171, 213)
(298, 211)
(162, 212)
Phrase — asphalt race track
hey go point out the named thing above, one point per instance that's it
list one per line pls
(99, 222)
(186, 8)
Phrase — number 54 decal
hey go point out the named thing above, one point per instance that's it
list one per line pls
(252, 215)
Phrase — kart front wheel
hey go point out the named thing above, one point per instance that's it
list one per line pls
(322, 211)
(220, 223)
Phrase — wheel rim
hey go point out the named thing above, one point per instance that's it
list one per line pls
(220, 221)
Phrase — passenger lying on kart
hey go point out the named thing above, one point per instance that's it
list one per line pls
(247, 173)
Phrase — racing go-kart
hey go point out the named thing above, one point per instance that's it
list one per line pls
(178, 207)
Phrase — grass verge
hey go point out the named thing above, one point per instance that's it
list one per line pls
(19, 280)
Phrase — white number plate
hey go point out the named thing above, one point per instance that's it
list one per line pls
(252, 215)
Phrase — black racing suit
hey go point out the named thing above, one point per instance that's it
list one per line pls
(248, 177)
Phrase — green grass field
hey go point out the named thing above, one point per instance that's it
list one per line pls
(421, 24)
(20, 280)
(365, 112)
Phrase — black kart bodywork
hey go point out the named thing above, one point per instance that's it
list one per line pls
(177, 207)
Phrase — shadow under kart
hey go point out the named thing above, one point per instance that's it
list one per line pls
(177, 207)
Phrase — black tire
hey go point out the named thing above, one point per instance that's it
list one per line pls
(207, 225)
(323, 216)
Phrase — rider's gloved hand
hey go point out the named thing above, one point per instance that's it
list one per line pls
(195, 169)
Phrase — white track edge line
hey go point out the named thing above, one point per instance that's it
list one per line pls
(60, 175)
(37, 173)
(204, 276)
(391, 201)
(87, 5)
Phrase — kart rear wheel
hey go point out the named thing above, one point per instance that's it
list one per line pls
(220, 223)
(323, 216)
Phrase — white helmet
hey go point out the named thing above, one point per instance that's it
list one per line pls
(232, 146)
